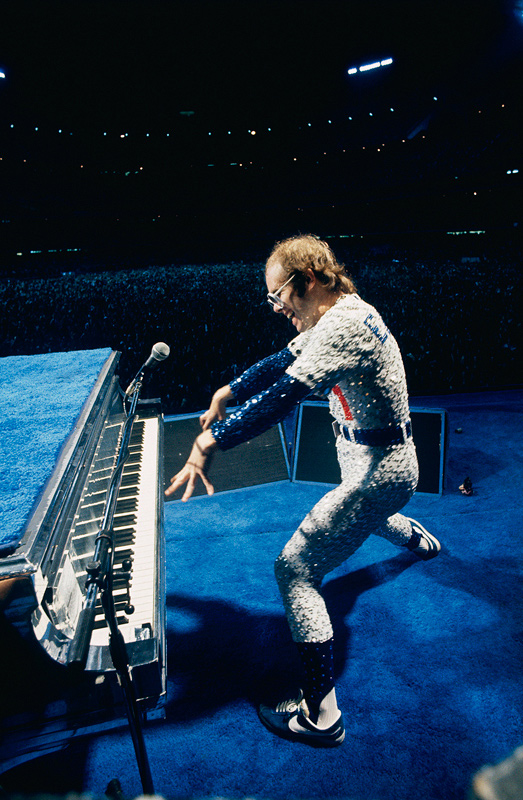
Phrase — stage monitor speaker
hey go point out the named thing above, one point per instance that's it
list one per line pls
(261, 460)
(315, 452)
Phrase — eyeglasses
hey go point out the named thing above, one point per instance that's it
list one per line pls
(273, 297)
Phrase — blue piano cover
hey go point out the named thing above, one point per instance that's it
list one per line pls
(41, 397)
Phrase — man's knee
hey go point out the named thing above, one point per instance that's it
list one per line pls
(283, 571)
(290, 570)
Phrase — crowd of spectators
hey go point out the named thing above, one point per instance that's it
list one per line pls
(457, 321)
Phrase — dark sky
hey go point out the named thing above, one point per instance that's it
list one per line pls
(141, 62)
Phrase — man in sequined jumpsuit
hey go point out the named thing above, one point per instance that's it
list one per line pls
(343, 348)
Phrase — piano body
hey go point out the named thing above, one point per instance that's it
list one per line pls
(44, 704)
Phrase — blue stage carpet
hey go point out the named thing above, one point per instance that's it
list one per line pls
(429, 655)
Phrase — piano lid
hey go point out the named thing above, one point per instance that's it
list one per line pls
(43, 402)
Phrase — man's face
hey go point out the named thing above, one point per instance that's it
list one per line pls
(300, 311)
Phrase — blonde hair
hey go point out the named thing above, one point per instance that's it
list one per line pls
(300, 253)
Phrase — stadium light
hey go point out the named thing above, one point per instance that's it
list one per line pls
(367, 67)
(385, 62)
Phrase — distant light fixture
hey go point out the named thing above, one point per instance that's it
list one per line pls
(385, 62)
(367, 67)
(2, 74)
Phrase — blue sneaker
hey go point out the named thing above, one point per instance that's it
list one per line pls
(290, 720)
(422, 543)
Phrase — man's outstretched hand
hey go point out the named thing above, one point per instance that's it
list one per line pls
(195, 467)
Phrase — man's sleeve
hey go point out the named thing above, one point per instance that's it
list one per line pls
(259, 413)
(261, 375)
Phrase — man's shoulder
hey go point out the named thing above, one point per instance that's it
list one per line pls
(297, 344)
(348, 310)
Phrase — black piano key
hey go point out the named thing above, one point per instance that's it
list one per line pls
(126, 539)
(128, 491)
(125, 534)
(124, 520)
(131, 468)
(130, 479)
(126, 504)
(119, 582)
(123, 554)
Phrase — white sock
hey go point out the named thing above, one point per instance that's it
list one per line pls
(329, 712)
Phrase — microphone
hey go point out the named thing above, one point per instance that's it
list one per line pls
(159, 353)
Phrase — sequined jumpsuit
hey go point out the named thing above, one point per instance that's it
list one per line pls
(351, 356)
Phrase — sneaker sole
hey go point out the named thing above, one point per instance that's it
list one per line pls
(303, 738)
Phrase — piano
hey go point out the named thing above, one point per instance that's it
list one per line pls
(44, 704)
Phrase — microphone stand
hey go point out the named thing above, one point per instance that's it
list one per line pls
(100, 578)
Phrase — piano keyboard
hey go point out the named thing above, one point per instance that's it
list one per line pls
(134, 526)
(47, 573)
